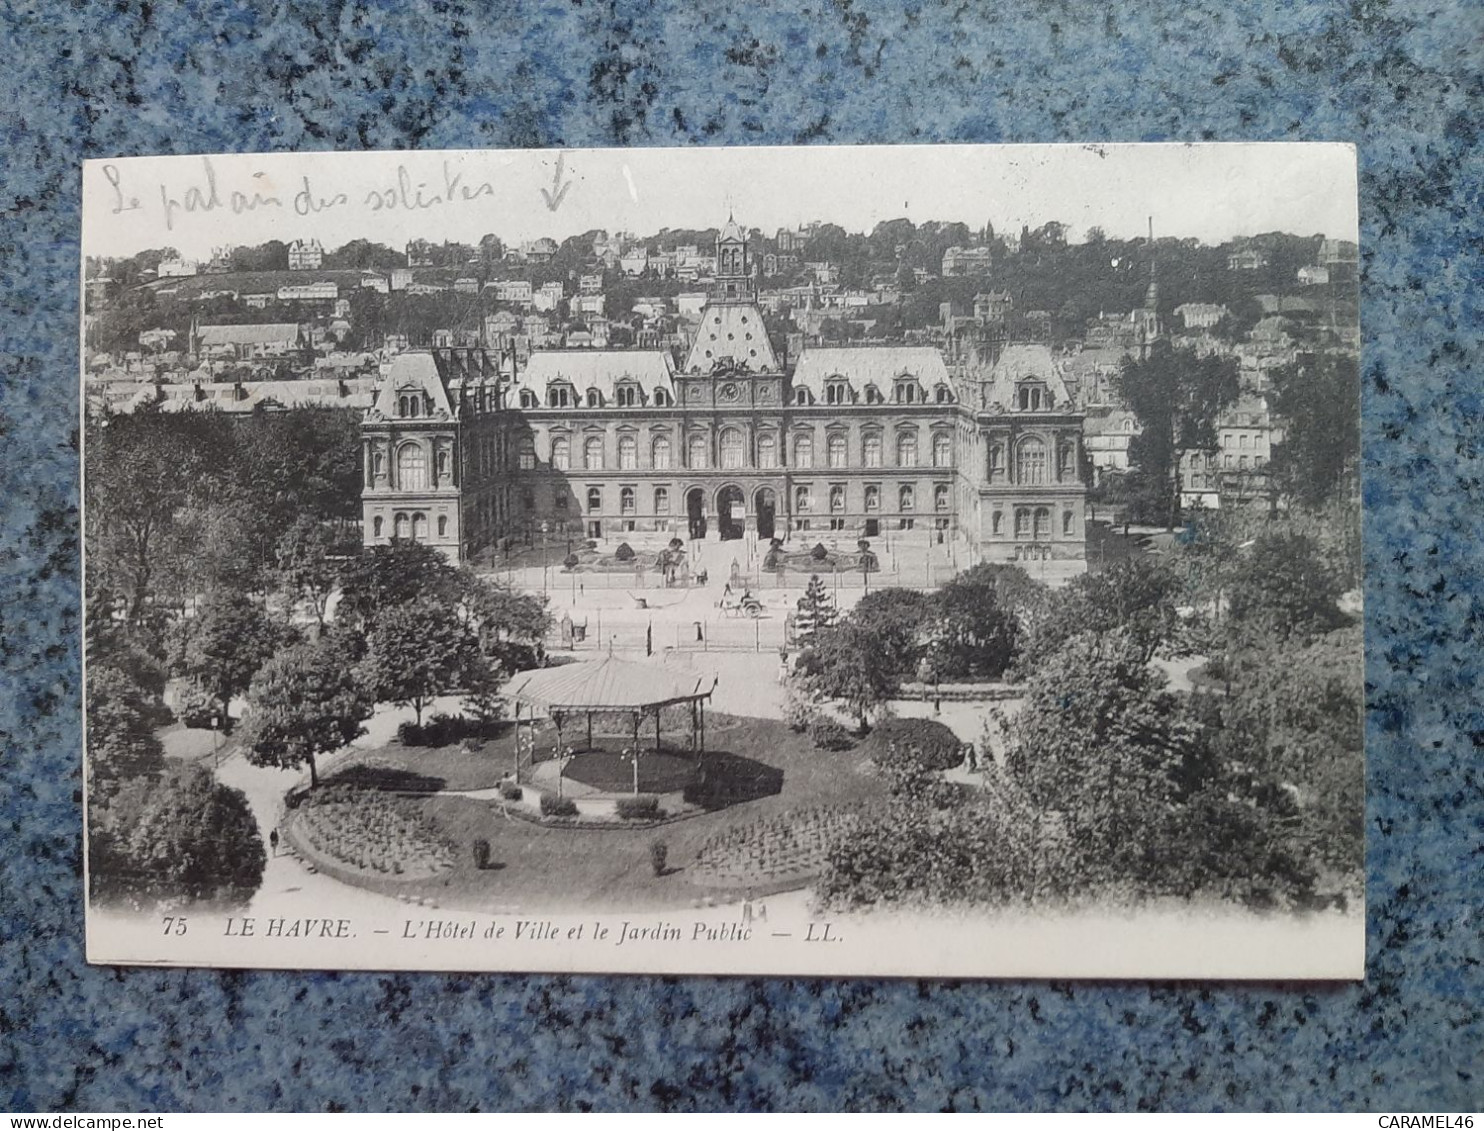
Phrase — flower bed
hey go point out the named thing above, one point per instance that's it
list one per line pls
(789, 846)
(371, 832)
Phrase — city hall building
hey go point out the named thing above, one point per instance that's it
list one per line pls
(851, 443)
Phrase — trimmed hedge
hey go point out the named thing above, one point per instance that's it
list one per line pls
(642, 807)
(828, 734)
(557, 806)
(509, 791)
(926, 743)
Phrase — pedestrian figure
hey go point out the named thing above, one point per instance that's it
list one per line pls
(747, 910)
(273, 841)
(760, 913)
(971, 755)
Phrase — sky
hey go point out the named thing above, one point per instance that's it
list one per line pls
(1213, 192)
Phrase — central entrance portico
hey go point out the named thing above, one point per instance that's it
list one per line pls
(731, 512)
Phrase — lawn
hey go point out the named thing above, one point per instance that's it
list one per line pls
(756, 769)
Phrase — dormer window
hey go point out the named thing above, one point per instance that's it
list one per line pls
(873, 395)
(1032, 396)
(594, 399)
(943, 394)
(627, 396)
(908, 392)
(837, 392)
(409, 404)
(663, 399)
(527, 399)
(803, 397)
(559, 396)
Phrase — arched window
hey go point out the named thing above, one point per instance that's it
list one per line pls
(697, 449)
(561, 453)
(803, 397)
(628, 396)
(943, 395)
(838, 450)
(419, 527)
(906, 497)
(527, 399)
(996, 463)
(1022, 522)
(594, 499)
(906, 450)
(626, 500)
(412, 468)
(443, 526)
(767, 450)
(873, 395)
(802, 502)
(663, 399)
(440, 464)
(628, 452)
(1030, 462)
(376, 525)
(594, 399)
(940, 497)
(660, 452)
(559, 396)
(1033, 397)
(871, 449)
(662, 500)
(837, 498)
(873, 497)
(401, 526)
(1043, 523)
(731, 448)
(527, 455)
(942, 450)
(409, 405)
(997, 523)
(592, 453)
(906, 392)
(837, 392)
(1066, 522)
(804, 451)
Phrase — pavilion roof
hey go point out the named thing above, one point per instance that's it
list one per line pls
(607, 684)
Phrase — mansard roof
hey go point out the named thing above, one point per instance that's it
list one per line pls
(418, 370)
(869, 365)
(1021, 362)
(732, 332)
(603, 370)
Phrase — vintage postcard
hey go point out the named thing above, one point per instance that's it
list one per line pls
(922, 561)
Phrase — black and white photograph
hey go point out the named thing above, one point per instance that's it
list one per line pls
(929, 561)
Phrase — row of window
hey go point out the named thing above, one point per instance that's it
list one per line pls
(1033, 522)
(734, 452)
(804, 502)
(412, 467)
(405, 525)
(904, 392)
(625, 395)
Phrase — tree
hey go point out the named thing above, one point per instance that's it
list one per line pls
(847, 664)
(305, 568)
(815, 611)
(1319, 402)
(121, 717)
(974, 635)
(196, 839)
(1281, 588)
(229, 639)
(416, 651)
(363, 254)
(1177, 396)
(1135, 597)
(380, 578)
(304, 702)
(510, 627)
(899, 622)
(270, 256)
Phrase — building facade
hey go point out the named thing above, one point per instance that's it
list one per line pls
(860, 442)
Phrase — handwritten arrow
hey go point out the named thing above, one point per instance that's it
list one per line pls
(558, 190)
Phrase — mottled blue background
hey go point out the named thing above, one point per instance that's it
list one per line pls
(1401, 79)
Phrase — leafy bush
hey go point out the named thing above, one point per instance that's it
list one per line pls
(819, 553)
(509, 791)
(828, 734)
(624, 553)
(798, 710)
(481, 848)
(641, 807)
(924, 743)
(197, 709)
(659, 853)
(440, 730)
(557, 806)
(570, 561)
